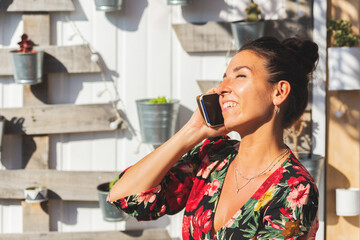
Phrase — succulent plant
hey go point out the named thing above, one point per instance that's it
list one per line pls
(253, 12)
(26, 45)
(341, 33)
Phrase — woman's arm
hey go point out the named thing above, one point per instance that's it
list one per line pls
(150, 170)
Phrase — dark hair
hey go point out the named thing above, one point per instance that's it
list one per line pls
(292, 60)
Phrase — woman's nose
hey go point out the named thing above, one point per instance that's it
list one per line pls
(224, 87)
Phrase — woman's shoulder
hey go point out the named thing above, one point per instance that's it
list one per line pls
(295, 174)
(218, 147)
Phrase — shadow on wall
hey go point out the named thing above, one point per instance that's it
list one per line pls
(341, 182)
(128, 18)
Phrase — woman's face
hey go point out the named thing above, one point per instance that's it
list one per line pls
(246, 97)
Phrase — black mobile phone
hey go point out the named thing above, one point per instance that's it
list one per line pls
(210, 109)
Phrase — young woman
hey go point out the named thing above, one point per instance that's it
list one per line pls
(253, 189)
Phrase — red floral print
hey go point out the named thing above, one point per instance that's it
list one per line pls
(298, 196)
(285, 203)
(202, 223)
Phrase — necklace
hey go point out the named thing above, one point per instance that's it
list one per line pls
(266, 170)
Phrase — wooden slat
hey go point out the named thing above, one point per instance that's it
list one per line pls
(65, 185)
(35, 217)
(37, 6)
(217, 36)
(55, 119)
(57, 59)
(35, 152)
(147, 234)
(37, 27)
(208, 37)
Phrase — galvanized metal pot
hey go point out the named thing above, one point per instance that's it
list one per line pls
(314, 164)
(157, 120)
(109, 211)
(244, 32)
(28, 66)
(179, 2)
(108, 5)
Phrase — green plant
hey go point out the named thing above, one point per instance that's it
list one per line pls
(253, 12)
(341, 33)
(160, 100)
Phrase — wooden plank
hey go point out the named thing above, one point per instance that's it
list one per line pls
(37, 6)
(343, 155)
(65, 185)
(35, 152)
(37, 27)
(55, 119)
(57, 59)
(146, 234)
(35, 217)
(217, 36)
(204, 37)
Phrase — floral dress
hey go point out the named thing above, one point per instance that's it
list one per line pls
(284, 207)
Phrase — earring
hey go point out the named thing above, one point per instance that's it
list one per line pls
(277, 109)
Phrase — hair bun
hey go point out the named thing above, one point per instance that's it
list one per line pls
(307, 52)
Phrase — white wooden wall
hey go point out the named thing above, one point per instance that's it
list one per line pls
(143, 59)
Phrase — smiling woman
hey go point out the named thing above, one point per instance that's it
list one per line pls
(253, 189)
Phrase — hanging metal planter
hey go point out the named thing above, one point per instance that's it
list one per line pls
(28, 66)
(157, 120)
(27, 62)
(179, 2)
(110, 212)
(108, 5)
(244, 31)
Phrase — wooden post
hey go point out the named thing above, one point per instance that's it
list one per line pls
(36, 148)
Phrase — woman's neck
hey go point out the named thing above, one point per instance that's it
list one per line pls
(260, 147)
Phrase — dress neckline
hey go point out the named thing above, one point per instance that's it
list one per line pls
(236, 214)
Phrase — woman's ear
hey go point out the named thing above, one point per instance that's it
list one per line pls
(281, 92)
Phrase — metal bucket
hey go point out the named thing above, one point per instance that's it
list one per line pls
(157, 120)
(314, 164)
(108, 5)
(28, 66)
(110, 212)
(179, 2)
(244, 32)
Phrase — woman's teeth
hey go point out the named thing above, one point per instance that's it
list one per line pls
(229, 105)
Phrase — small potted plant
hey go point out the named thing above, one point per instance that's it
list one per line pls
(179, 2)
(343, 57)
(35, 194)
(249, 29)
(157, 118)
(108, 5)
(27, 62)
(110, 212)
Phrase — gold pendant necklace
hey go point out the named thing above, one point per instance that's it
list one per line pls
(266, 170)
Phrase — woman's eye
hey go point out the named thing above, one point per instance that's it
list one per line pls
(241, 76)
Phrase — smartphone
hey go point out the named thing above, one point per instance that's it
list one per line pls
(210, 109)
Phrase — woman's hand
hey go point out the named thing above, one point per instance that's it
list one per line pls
(197, 124)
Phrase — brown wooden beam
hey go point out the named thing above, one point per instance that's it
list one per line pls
(56, 119)
(65, 185)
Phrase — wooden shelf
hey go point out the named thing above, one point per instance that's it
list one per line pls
(217, 36)
(37, 6)
(64, 185)
(147, 234)
(57, 59)
(56, 119)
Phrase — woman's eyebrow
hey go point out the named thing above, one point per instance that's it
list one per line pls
(237, 69)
